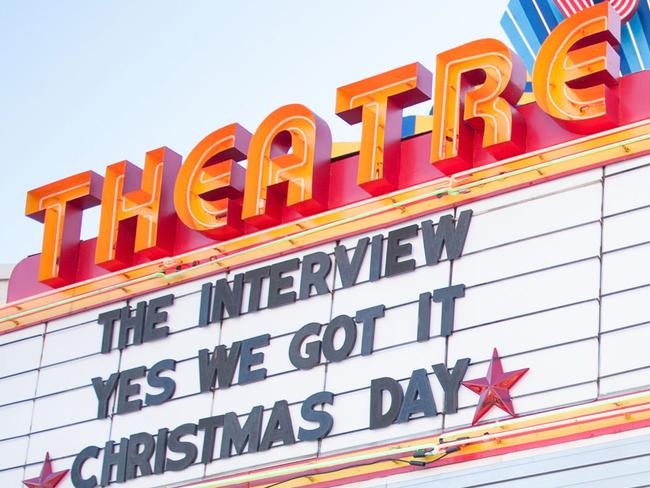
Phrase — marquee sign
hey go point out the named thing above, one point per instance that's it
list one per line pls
(144, 454)
(209, 271)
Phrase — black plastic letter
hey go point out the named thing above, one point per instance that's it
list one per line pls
(154, 379)
(90, 452)
(154, 318)
(417, 398)
(448, 298)
(395, 250)
(323, 418)
(234, 435)
(315, 269)
(312, 349)
(130, 322)
(376, 256)
(227, 299)
(137, 459)
(113, 458)
(218, 367)
(204, 306)
(248, 358)
(348, 269)
(424, 317)
(278, 282)
(161, 451)
(447, 235)
(255, 278)
(451, 382)
(108, 319)
(181, 447)
(349, 329)
(104, 390)
(210, 426)
(126, 389)
(279, 427)
(367, 317)
(378, 386)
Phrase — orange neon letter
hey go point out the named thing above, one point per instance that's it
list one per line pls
(273, 174)
(210, 183)
(59, 206)
(480, 81)
(377, 103)
(577, 68)
(134, 219)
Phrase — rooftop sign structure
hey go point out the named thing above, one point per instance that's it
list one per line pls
(295, 311)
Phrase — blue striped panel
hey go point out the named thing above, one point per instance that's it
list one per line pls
(644, 16)
(625, 68)
(554, 9)
(524, 23)
(640, 25)
(408, 126)
(547, 13)
(517, 41)
(536, 22)
(641, 41)
(628, 54)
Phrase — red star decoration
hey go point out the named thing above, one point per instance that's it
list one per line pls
(47, 478)
(494, 389)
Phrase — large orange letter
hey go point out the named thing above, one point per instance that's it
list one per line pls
(59, 206)
(134, 219)
(377, 103)
(273, 175)
(210, 182)
(480, 81)
(576, 67)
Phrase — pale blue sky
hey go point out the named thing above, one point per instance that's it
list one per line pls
(88, 83)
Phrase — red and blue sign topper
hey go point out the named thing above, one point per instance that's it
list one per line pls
(625, 8)
(527, 24)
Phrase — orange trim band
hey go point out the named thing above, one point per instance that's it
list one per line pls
(611, 415)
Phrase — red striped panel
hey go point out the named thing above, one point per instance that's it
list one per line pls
(571, 7)
(625, 8)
